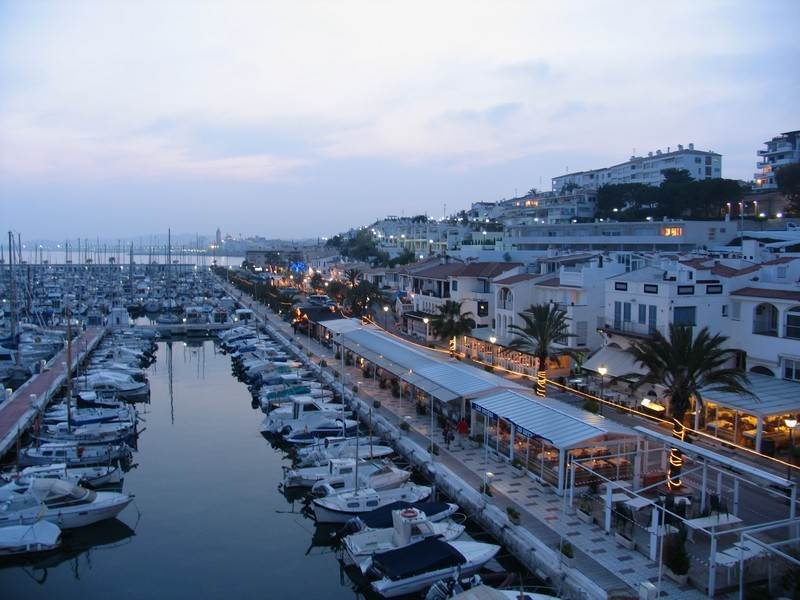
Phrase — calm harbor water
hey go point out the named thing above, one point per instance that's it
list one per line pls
(208, 520)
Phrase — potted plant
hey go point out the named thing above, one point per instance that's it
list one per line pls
(376, 404)
(567, 553)
(434, 449)
(485, 488)
(355, 389)
(518, 467)
(382, 383)
(395, 388)
(513, 515)
(323, 363)
(477, 440)
(585, 503)
(676, 558)
(404, 426)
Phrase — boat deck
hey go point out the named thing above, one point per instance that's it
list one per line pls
(18, 413)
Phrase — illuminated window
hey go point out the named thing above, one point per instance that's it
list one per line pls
(672, 231)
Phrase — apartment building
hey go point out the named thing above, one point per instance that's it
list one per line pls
(780, 151)
(647, 170)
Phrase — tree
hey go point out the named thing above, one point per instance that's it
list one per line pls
(352, 276)
(451, 322)
(686, 366)
(316, 282)
(545, 326)
(788, 180)
(337, 290)
(360, 297)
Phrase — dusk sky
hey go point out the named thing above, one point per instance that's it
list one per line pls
(301, 119)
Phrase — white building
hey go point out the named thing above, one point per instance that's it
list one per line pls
(551, 207)
(647, 169)
(619, 236)
(780, 151)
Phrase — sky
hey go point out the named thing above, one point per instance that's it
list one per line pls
(301, 119)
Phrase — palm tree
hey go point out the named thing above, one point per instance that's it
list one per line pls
(545, 326)
(450, 322)
(316, 281)
(352, 276)
(687, 367)
(362, 296)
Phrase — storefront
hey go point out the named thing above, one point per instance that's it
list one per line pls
(542, 437)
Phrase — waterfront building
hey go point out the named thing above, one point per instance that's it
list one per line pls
(646, 170)
(671, 235)
(782, 150)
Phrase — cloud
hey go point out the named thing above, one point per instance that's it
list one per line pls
(31, 149)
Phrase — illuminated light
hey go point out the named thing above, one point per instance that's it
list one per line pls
(602, 370)
(493, 340)
(779, 215)
(425, 320)
(670, 231)
(616, 210)
(541, 383)
(761, 215)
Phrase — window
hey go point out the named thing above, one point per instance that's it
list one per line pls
(626, 312)
(724, 310)
(621, 286)
(650, 288)
(454, 285)
(713, 289)
(642, 314)
(652, 317)
(791, 369)
(708, 171)
(685, 290)
(483, 309)
(781, 272)
(793, 323)
(698, 160)
(736, 310)
(685, 315)
(672, 231)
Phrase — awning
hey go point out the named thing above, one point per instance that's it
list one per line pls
(560, 424)
(771, 397)
(618, 362)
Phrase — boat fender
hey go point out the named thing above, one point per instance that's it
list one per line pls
(408, 513)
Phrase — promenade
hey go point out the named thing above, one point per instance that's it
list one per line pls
(18, 413)
(615, 569)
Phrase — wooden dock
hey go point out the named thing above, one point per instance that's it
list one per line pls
(188, 329)
(19, 412)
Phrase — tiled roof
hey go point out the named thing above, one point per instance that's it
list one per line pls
(440, 271)
(516, 279)
(488, 269)
(554, 282)
(726, 271)
(754, 292)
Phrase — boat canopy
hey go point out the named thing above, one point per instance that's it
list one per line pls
(428, 555)
(381, 518)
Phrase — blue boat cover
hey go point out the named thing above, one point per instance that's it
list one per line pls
(430, 554)
(381, 518)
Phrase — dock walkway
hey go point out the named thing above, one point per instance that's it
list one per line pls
(614, 569)
(19, 412)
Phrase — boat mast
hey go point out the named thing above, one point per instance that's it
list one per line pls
(69, 368)
(13, 284)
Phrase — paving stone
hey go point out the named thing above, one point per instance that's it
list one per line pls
(624, 557)
(597, 540)
(627, 571)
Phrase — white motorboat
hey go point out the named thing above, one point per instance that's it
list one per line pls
(409, 526)
(340, 474)
(41, 536)
(61, 503)
(87, 416)
(340, 508)
(385, 477)
(96, 476)
(72, 454)
(318, 455)
(121, 384)
(416, 567)
(445, 590)
(92, 434)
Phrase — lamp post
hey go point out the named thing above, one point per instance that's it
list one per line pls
(492, 341)
(602, 369)
(425, 320)
(791, 423)
(386, 317)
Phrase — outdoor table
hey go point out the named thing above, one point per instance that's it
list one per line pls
(712, 522)
(638, 503)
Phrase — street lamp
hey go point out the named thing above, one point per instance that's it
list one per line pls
(425, 320)
(385, 317)
(602, 369)
(492, 341)
(791, 423)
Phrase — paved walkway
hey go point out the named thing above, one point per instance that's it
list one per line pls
(17, 413)
(544, 513)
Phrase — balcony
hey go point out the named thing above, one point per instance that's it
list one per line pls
(630, 328)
